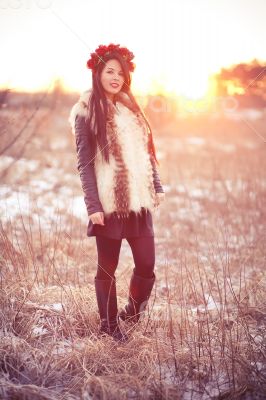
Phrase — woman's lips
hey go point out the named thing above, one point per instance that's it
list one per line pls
(115, 85)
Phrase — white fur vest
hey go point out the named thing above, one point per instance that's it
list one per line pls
(126, 183)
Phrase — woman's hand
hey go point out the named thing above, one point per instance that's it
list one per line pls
(97, 218)
(159, 198)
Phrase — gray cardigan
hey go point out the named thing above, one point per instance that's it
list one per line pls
(85, 166)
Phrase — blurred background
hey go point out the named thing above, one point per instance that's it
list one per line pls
(200, 78)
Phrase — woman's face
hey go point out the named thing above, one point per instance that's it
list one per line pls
(112, 78)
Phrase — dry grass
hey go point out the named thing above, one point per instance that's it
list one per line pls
(203, 335)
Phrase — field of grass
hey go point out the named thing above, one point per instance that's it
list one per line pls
(204, 332)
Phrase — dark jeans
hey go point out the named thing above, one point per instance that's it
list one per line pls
(143, 251)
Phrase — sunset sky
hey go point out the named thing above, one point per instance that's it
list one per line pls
(177, 44)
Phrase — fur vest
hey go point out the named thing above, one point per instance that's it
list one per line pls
(125, 183)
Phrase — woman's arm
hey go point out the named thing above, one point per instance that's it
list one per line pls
(85, 165)
(156, 178)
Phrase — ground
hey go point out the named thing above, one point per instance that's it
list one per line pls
(203, 335)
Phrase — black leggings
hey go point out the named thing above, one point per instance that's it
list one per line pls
(143, 251)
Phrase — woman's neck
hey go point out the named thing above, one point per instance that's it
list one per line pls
(111, 97)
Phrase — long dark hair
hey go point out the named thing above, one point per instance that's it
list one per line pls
(100, 113)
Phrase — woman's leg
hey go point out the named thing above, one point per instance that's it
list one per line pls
(142, 279)
(105, 286)
(108, 256)
(143, 250)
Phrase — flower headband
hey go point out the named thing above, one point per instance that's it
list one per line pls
(101, 51)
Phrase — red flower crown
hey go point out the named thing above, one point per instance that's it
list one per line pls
(101, 51)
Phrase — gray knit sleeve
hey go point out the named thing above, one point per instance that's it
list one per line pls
(156, 178)
(85, 166)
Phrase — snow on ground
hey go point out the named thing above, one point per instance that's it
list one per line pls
(40, 203)
(43, 194)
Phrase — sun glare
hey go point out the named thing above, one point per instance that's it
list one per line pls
(190, 44)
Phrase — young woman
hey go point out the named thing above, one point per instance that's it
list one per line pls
(116, 162)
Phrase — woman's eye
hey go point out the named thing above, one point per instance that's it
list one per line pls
(110, 72)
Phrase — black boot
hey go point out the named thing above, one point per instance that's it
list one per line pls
(107, 305)
(139, 294)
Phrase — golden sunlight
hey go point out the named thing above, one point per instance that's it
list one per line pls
(189, 45)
